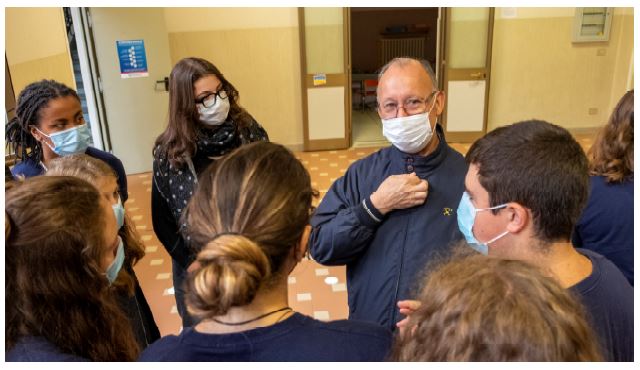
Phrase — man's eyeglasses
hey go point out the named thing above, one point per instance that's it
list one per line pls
(411, 106)
(209, 100)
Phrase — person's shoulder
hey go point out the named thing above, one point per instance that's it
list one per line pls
(374, 160)
(454, 156)
(346, 340)
(250, 130)
(604, 264)
(600, 185)
(356, 330)
(605, 280)
(38, 349)
(111, 159)
(160, 151)
(101, 154)
(27, 168)
(161, 349)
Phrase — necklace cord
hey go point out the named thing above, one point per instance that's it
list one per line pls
(251, 320)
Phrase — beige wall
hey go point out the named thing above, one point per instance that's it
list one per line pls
(324, 40)
(468, 38)
(537, 72)
(257, 49)
(36, 46)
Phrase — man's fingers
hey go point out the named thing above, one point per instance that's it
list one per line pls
(410, 304)
(419, 197)
(411, 179)
(421, 186)
(402, 323)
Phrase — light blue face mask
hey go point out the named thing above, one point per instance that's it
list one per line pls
(466, 218)
(71, 141)
(116, 265)
(118, 210)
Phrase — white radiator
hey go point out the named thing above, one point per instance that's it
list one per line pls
(401, 47)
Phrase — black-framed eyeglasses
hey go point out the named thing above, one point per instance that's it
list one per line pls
(411, 106)
(210, 99)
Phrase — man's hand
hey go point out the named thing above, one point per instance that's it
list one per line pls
(400, 192)
(407, 307)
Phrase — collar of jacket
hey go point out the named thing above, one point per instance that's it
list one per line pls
(423, 165)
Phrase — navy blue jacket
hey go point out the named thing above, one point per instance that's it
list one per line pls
(29, 168)
(38, 349)
(608, 301)
(384, 259)
(606, 224)
(298, 338)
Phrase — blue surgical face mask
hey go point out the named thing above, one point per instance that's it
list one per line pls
(116, 265)
(118, 210)
(466, 218)
(71, 141)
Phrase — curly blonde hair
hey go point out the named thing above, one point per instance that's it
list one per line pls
(476, 308)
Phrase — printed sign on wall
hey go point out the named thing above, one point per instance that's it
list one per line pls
(319, 79)
(133, 59)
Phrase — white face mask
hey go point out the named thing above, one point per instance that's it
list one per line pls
(410, 134)
(215, 115)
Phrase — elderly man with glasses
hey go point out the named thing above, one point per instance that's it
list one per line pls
(393, 211)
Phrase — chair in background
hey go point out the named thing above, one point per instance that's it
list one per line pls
(369, 88)
(356, 94)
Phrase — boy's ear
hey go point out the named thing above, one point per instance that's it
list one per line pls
(520, 217)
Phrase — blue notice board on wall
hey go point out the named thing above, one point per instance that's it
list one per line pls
(133, 58)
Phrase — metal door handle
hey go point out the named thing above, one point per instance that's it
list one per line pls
(164, 82)
(478, 75)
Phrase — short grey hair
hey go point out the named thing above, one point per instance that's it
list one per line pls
(402, 61)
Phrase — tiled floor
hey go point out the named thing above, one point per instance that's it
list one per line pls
(314, 290)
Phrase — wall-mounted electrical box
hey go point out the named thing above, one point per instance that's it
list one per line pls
(592, 24)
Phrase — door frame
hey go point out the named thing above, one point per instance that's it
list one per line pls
(9, 94)
(333, 80)
(82, 25)
(465, 136)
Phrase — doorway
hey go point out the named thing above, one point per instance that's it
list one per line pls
(377, 36)
(136, 105)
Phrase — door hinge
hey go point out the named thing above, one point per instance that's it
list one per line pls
(100, 84)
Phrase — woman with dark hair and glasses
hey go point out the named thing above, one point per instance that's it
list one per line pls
(205, 122)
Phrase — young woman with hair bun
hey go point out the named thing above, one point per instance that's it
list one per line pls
(249, 221)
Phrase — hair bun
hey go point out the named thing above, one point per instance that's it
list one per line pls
(232, 270)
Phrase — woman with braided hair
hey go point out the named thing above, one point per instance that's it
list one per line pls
(49, 124)
(249, 219)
